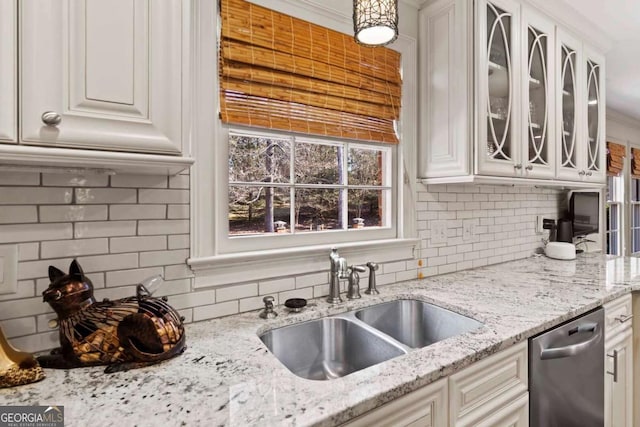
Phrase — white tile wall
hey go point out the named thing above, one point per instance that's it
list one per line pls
(118, 236)
(125, 228)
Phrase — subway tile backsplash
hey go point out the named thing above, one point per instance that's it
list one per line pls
(125, 228)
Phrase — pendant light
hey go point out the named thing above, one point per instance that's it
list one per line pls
(375, 22)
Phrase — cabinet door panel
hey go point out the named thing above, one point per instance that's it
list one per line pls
(425, 407)
(111, 70)
(594, 138)
(619, 393)
(445, 123)
(538, 81)
(8, 74)
(568, 58)
(498, 50)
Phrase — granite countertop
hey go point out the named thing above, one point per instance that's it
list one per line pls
(228, 377)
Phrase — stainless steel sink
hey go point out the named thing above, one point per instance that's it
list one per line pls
(339, 345)
(416, 323)
(328, 348)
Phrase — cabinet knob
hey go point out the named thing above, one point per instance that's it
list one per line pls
(51, 118)
(529, 167)
(582, 173)
(589, 173)
(518, 166)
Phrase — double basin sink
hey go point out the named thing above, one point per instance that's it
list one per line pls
(335, 346)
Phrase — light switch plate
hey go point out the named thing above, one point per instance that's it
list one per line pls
(8, 269)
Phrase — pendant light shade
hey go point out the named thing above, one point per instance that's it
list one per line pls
(375, 22)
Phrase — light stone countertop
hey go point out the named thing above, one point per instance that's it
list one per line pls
(228, 377)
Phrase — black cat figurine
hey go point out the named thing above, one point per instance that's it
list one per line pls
(123, 334)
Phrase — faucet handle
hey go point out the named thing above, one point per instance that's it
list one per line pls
(268, 312)
(358, 268)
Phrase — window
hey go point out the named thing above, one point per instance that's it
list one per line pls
(221, 251)
(286, 191)
(614, 208)
(635, 214)
(294, 185)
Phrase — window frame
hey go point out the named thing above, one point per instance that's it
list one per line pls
(240, 244)
(615, 197)
(211, 262)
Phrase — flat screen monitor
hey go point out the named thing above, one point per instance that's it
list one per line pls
(584, 210)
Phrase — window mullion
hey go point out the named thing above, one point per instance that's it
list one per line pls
(292, 181)
(344, 214)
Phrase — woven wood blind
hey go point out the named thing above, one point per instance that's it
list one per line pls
(615, 158)
(284, 73)
(635, 162)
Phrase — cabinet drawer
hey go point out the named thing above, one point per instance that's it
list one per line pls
(425, 407)
(485, 386)
(617, 315)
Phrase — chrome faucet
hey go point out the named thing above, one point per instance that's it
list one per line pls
(353, 291)
(339, 271)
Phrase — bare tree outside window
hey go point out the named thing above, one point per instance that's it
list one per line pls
(331, 186)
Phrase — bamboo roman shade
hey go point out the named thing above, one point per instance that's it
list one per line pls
(635, 163)
(615, 158)
(284, 73)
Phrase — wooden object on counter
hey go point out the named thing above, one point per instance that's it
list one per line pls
(124, 334)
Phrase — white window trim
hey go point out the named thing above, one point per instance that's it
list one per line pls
(239, 244)
(211, 265)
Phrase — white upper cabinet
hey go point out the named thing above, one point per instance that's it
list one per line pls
(505, 93)
(581, 113)
(8, 70)
(593, 102)
(104, 75)
(497, 86)
(538, 78)
(568, 96)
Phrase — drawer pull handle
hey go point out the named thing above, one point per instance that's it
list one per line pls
(623, 319)
(615, 365)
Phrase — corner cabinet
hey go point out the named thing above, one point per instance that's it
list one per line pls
(494, 103)
(8, 71)
(102, 75)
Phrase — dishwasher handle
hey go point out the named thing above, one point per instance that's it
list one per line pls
(572, 350)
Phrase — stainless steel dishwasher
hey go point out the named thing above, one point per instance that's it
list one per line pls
(566, 374)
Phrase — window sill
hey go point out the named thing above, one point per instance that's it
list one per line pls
(259, 265)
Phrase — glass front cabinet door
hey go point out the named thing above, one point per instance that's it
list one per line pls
(580, 111)
(538, 155)
(593, 151)
(497, 82)
(568, 58)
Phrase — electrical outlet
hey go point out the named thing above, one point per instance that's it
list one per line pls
(8, 269)
(467, 229)
(439, 231)
(539, 229)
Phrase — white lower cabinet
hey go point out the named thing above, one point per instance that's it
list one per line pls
(425, 407)
(618, 383)
(492, 392)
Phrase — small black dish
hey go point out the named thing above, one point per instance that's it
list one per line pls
(295, 304)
